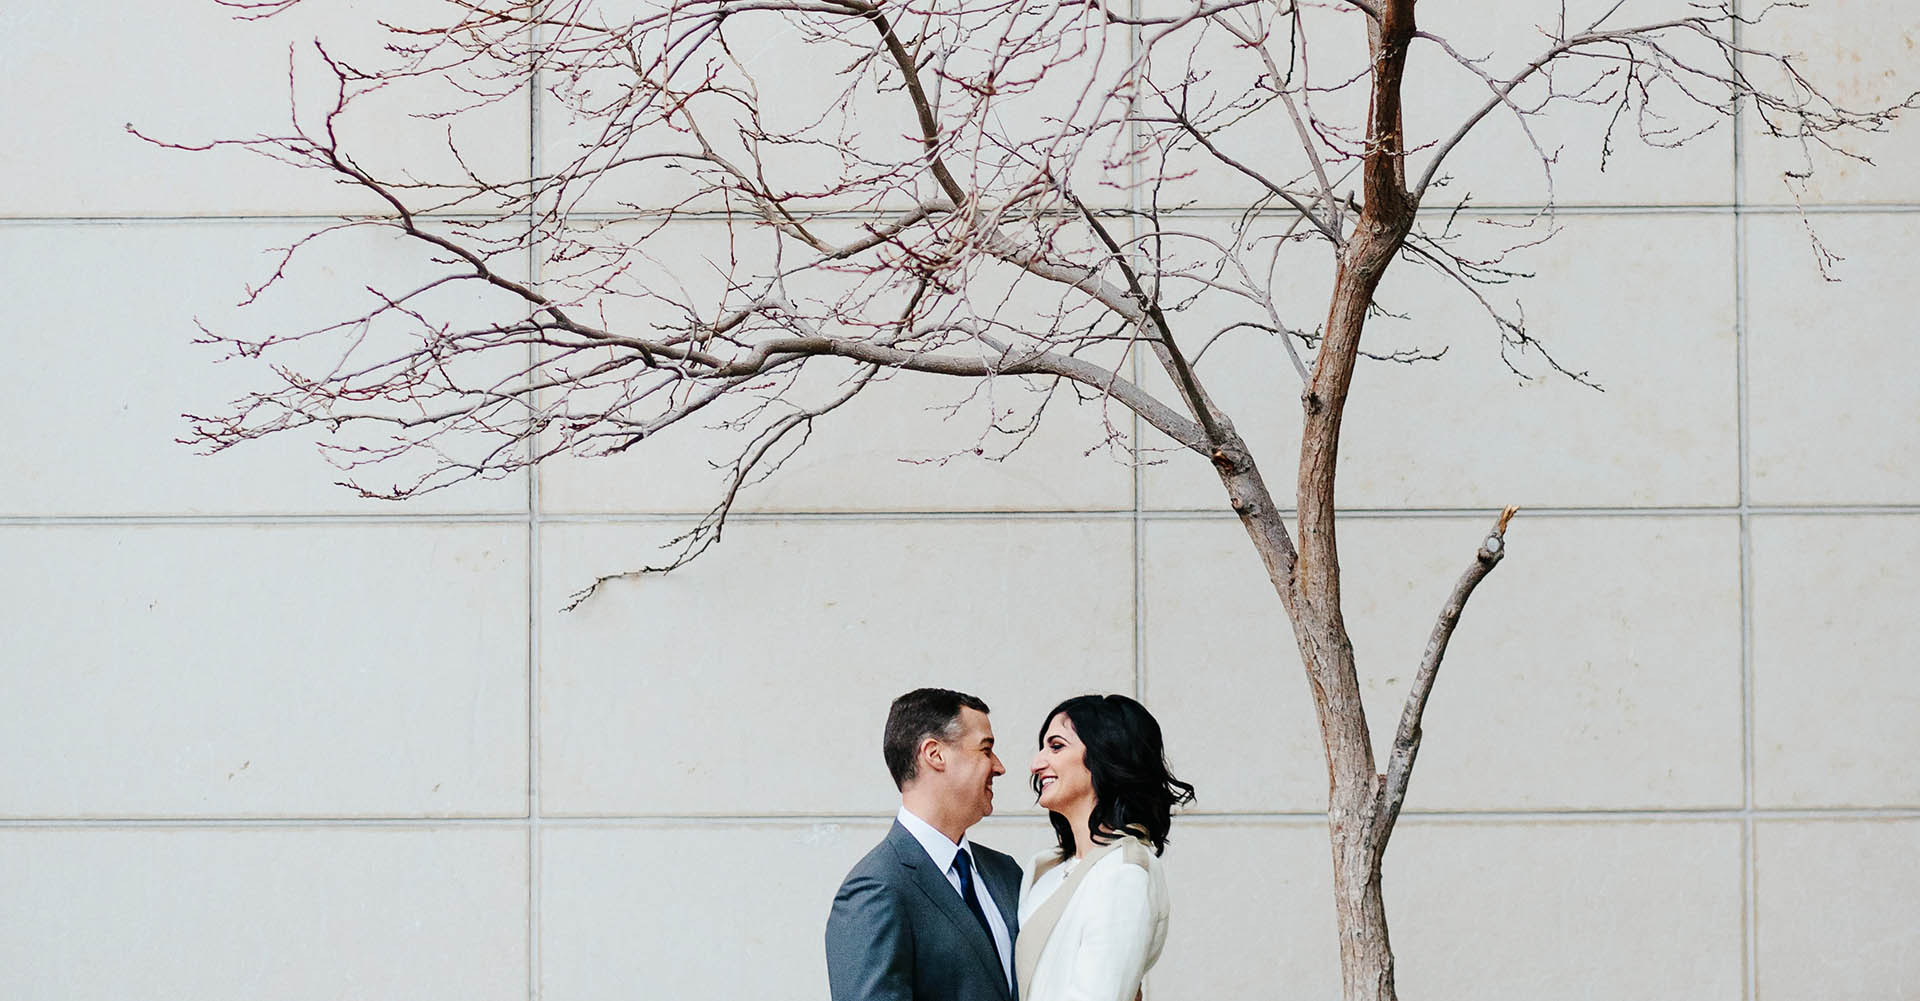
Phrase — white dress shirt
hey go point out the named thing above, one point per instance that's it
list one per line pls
(942, 852)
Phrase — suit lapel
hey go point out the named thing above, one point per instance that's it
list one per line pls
(932, 883)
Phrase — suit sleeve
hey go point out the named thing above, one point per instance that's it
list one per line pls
(869, 945)
(1112, 953)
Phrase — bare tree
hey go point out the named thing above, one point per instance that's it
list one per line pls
(986, 190)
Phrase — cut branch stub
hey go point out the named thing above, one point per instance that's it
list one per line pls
(1406, 741)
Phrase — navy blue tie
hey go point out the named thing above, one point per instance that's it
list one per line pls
(963, 864)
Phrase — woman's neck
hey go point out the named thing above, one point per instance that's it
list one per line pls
(1079, 820)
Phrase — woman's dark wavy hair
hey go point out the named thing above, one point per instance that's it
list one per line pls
(1132, 787)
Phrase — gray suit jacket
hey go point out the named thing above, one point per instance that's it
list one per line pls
(899, 932)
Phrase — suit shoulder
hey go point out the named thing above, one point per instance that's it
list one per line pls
(878, 865)
(982, 851)
(988, 856)
(870, 891)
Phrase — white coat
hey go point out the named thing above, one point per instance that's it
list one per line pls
(1099, 941)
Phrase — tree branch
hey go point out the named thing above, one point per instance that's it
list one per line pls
(1169, 352)
(1406, 739)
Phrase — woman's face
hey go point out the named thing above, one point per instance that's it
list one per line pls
(1060, 768)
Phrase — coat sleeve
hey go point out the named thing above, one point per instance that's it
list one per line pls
(869, 945)
(1117, 934)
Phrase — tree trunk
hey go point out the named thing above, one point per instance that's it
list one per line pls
(1366, 955)
(1357, 821)
(1353, 808)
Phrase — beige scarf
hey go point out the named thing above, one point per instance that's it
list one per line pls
(1037, 928)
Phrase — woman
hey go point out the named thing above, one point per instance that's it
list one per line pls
(1093, 915)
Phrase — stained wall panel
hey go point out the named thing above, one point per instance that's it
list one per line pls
(709, 910)
(106, 362)
(1834, 691)
(1640, 306)
(79, 75)
(756, 680)
(1859, 53)
(1834, 415)
(881, 441)
(1602, 910)
(1837, 917)
(238, 914)
(223, 670)
(1614, 911)
(1566, 684)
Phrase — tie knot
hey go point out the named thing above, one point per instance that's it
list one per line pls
(963, 863)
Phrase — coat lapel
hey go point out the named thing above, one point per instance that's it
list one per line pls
(1033, 939)
(932, 883)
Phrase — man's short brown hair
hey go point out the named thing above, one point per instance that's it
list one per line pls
(915, 716)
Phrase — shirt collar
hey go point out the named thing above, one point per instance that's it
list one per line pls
(936, 845)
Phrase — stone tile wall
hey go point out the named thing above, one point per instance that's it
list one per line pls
(264, 739)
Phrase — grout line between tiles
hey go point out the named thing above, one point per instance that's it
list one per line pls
(1749, 890)
(1731, 814)
(1137, 372)
(1188, 212)
(1136, 512)
(535, 854)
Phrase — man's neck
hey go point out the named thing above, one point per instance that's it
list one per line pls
(928, 808)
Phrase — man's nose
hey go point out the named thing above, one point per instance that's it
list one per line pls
(998, 768)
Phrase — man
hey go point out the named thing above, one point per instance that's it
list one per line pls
(928, 915)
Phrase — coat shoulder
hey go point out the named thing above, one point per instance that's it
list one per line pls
(880, 863)
(1000, 859)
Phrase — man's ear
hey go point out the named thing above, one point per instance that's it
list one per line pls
(932, 755)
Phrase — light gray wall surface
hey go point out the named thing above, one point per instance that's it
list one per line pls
(262, 739)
